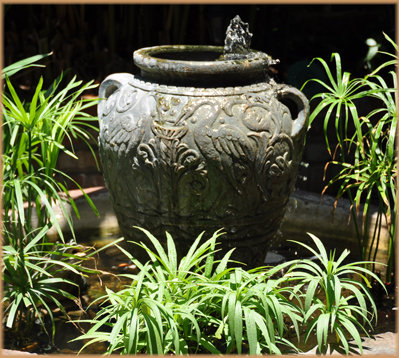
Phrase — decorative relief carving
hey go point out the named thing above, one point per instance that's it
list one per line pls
(186, 163)
(175, 165)
(241, 134)
(110, 103)
(274, 167)
(126, 99)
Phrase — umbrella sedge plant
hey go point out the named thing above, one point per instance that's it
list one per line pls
(35, 132)
(365, 153)
(201, 304)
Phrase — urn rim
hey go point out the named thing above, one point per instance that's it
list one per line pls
(198, 64)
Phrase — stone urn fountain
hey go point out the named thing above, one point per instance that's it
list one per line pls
(202, 139)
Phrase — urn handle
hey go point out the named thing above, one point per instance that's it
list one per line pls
(298, 105)
(111, 84)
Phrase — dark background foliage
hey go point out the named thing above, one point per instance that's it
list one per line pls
(94, 41)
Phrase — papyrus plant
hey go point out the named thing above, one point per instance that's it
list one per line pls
(34, 134)
(337, 303)
(365, 153)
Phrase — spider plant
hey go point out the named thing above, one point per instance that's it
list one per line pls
(37, 278)
(365, 152)
(34, 133)
(253, 309)
(203, 305)
(158, 312)
(33, 136)
(336, 297)
(197, 305)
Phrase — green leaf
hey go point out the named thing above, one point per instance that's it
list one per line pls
(349, 326)
(342, 257)
(153, 335)
(337, 58)
(210, 259)
(38, 237)
(19, 109)
(23, 64)
(117, 330)
(223, 263)
(231, 312)
(321, 258)
(278, 314)
(310, 293)
(310, 328)
(158, 247)
(33, 104)
(238, 332)
(20, 202)
(186, 261)
(322, 251)
(327, 69)
(209, 346)
(337, 290)
(252, 332)
(342, 337)
(322, 330)
(14, 308)
(259, 320)
(171, 254)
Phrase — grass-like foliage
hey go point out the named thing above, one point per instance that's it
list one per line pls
(203, 305)
(365, 152)
(196, 305)
(23, 64)
(336, 297)
(38, 277)
(34, 134)
(35, 282)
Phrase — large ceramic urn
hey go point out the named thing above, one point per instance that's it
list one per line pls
(202, 139)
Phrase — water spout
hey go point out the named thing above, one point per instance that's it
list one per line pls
(238, 40)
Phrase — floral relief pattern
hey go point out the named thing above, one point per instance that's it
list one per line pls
(275, 167)
(239, 135)
(189, 162)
